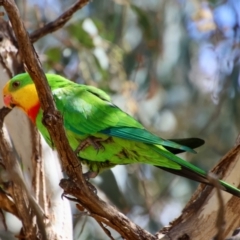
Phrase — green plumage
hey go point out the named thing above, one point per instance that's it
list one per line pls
(88, 112)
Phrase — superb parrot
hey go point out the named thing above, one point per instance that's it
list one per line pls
(101, 134)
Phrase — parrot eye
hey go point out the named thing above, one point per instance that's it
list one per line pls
(16, 84)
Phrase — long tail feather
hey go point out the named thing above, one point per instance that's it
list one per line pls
(187, 169)
(185, 172)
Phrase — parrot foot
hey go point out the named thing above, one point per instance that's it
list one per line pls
(88, 175)
(90, 141)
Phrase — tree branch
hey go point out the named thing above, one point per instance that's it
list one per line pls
(57, 23)
(105, 213)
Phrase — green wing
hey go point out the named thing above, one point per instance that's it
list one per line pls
(142, 135)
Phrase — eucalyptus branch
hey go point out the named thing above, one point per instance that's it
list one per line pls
(105, 213)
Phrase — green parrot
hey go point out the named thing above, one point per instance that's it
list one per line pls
(101, 134)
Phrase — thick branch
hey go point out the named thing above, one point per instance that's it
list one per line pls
(106, 213)
(59, 22)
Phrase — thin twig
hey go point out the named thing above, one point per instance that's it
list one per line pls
(59, 22)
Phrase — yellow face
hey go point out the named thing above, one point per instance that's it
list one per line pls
(24, 97)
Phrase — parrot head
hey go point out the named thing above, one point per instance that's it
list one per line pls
(21, 92)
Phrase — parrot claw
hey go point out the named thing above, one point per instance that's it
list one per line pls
(90, 141)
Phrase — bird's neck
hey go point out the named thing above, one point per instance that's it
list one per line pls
(33, 111)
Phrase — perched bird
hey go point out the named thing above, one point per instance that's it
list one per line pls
(100, 133)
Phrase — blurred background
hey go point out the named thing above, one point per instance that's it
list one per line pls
(173, 65)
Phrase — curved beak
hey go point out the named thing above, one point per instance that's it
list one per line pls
(7, 97)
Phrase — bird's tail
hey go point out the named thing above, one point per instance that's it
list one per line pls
(188, 170)
(187, 173)
(230, 189)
